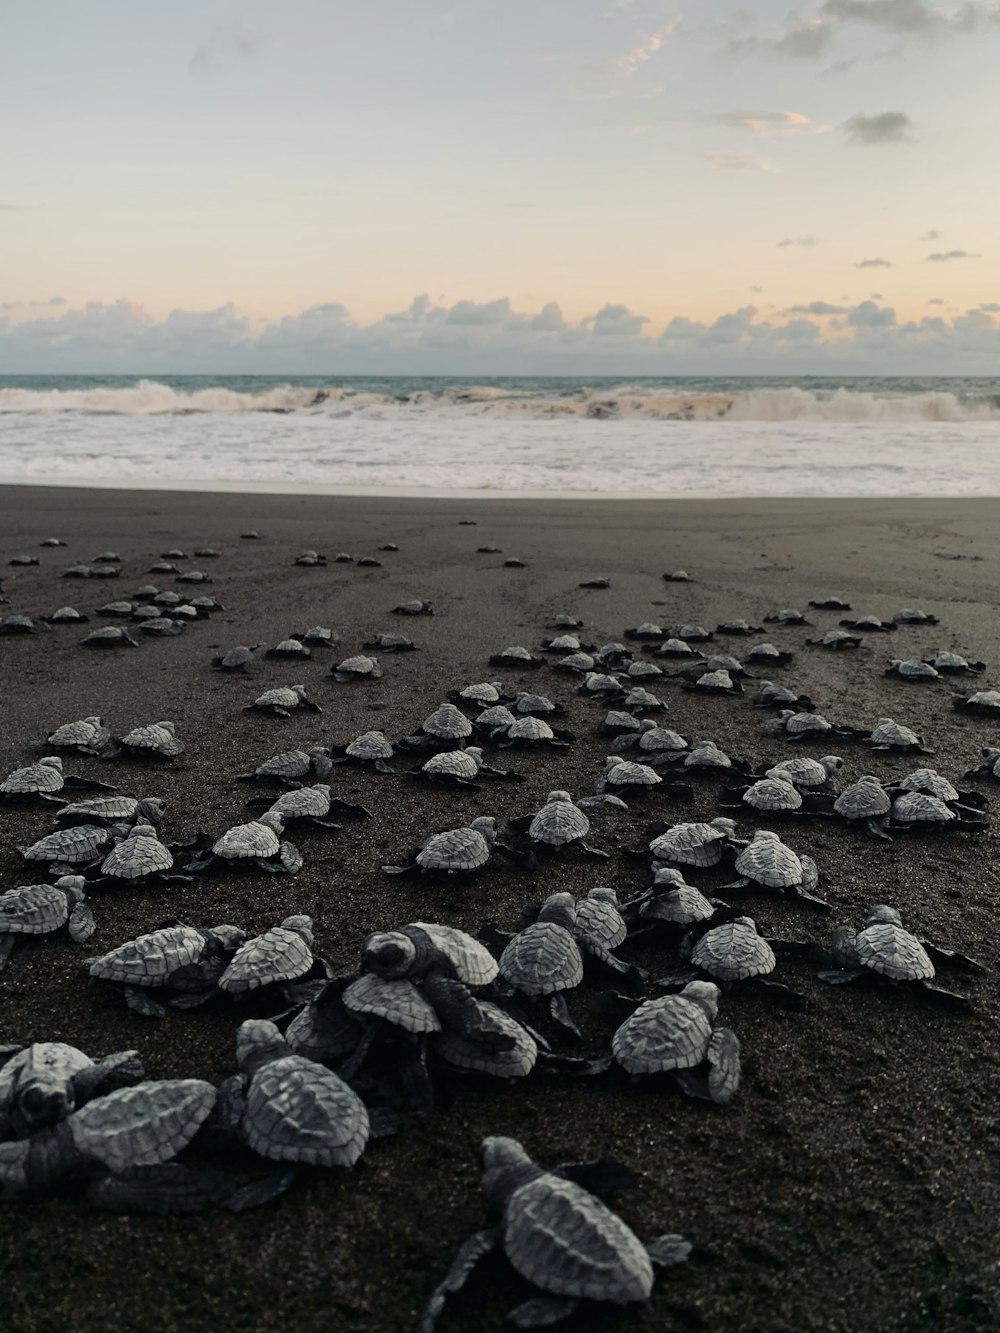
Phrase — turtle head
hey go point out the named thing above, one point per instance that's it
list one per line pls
(152, 809)
(487, 826)
(301, 925)
(990, 752)
(705, 994)
(388, 954)
(94, 721)
(785, 714)
(726, 826)
(171, 727)
(258, 1042)
(505, 1167)
(602, 894)
(300, 690)
(832, 763)
(42, 1101)
(667, 875)
(880, 915)
(51, 761)
(558, 796)
(896, 662)
(274, 820)
(611, 761)
(476, 752)
(74, 886)
(559, 908)
(142, 831)
(229, 938)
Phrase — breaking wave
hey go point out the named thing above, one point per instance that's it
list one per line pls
(630, 402)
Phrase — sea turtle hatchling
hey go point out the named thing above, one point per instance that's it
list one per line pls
(309, 558)
(565, 643)
(890, 735)
(808, 775)
(21, 625)
(786, 616)
(138, 858)
(695, 844)
(155, 740)
(41, 1084)
(836, 640)
(292, 768)
(121, 810)
(176, 967)
(193, 576)
(640, 700)
(911, 670)
(600, 581)
(78, 845)
(371, 747)
(289, 648)
(772, 695)
(766, 654)
(563, 622)
(310, 805)
(672, 902)
(240, 658)
(390, 643)
(985, 703)
(258, 842)
(497, 718)
(292, 1109)
(647, 630)
(52, 541)
(162, 626)
(43, 781)
(884, 951)
(359, 667)
(421, 948)
(919, 811)
(24, 560)
(952, 664)
(560, 823)
(601, 928)
(674, 647)
(865, 802)
(738, 627)
(460, 851)
(727, 949)
(870, 625)
(713, 682)
(458, 767)
(989, 763)
(109, 636)
(518, 657)
(513, 1060)
(771, 796)
(535, 705)
(796, 726)
(279, 955)
(317, 636)
(656, 744)
(544, 959)
(143, 1125)
(282, 701)
(66, 615)
(769, 863)
(118, 609)
(531, 731)
(578, 663)
(414, 607)
(42, 909)
(445, 728)
(911, 616)
(559, 1236)
(829, 604)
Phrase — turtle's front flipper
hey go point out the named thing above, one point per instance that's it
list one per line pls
(350, 808)
(803, 895)
(542, 1311)
(591, 851)
(478, 1245)
(141, 1002)
(669, 1251)
(561, 1015)
(81, 924)
(724, 1067)
(802, 949)
(160, 1191)
(877, 827)
(258, 1190)
(407, 868)
(115, 1071)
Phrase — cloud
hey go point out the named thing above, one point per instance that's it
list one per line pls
(740, 162)
(629, 64)
(810, 36)
(932, 235)
(991, 307)
(797, 240)
(943, 256)
(224, 44)
(886, 127)
(874, 263)
(767, 122)
(935, 300)
(616, 321)
(817, 308)
(868, 315)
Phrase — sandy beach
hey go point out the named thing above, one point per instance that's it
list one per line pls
(853, 1184)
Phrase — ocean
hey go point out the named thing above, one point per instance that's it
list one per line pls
(693, 436)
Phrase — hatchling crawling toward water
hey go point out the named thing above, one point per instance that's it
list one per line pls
(953, 665)
(422, 948)
(257, 843)
(836, 640)
(771, 796)
(280, 955)
(359, 667)
(531, 731)
(738, 627)
(460, 768)
(911, 670)
(728, 950)
(460, 851)
(123, 811)
(564, 622)
(317, 636)
(870, 625)
(601, 581)
(414, 607)
(481, 694)
(924, 813)
(989, 764)
(109, 636)
(292, 768)
(518, 657)
(43, 909)
(24, 560)
(560, 1237)
(769, 863)
(310, 805)
(656, 744)
(696, 844)
(560, 823)
(714, 682)
(808, 726)
(787, 616)
(884, 951)
(176, 967)
(829, 604)
(66, 615)
(138, 858)
(21, 625)
(525, 704)
(289, 648)
(67, 849)
(282, 701)
(43, 781)
(391, 643)
(371, 747)
(890, 735)
(985, 703)
(544, 959)
(41, 1084)
(309, 558)
(766, 654)
(670, 902)
(157, 740)
(772, 695)
(675, 647)
(808, 775)
(911, 616)
(444, 729)
(647, 630)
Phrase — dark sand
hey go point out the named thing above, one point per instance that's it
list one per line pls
(855, 1182)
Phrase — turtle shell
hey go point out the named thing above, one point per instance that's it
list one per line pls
(582, 662)
(670, 1032)
(48, 1065)
(447, 723)
(559, 822)
(359, 665)
(643, 670)
(77, 845)
(473, 963)
(398, 1001)
(894, 953)
(244, 841)
(715, 680)
(772, 794)
(530, 729)
(916, 671)
(151, 959)
(707, 755)
(497, 717)
(281, 697)
(661, 739)
(916, 807)
(887, 732)
(298, 1111)
(931, 782)
(304, 802)
(542, 959)
(279, 954)
(692, 844)
(33, 909)
(680, 905)
(138, 855)
(88, 733)
(675, 647)
(626, 774)
(768, 861)
(599, 921)
(863, 800)
(157, 737)
(801, 772)
(565, 1241)
(453, 763)
(798, 724)
(370, 745)
(289, 764)
(142, 1125)
(289, 648)
(46, 776)
(733, 951)
(516, 1062)
(457, 849)
(533, 704)
(483, 693)
(108, 636)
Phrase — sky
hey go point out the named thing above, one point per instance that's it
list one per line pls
(500, 185)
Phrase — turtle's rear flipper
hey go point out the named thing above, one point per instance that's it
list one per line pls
(382, 766)
(669, 1251)
(803, 895)
(594, 851)
(561, 1015)
(115, 1071)
(782, 994)
(407, 868)
(350, 808)
(81, 924)
(476, 1247)
(809, 953)
(951, 958)
(948, 999)
(158, 1191)
(839, 976)
(674, 981)
(542, 1311)
(576, 1065)
(878, 828)
(141, 1002)
(192, 999)
(258, 1190)
(88, 784)
(602, 1176)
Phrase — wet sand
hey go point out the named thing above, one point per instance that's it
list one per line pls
(853, 1183)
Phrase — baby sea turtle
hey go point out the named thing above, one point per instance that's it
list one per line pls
(670, 901)
(371, 747)
(281, 954)
(560, 823)
(769, 863)
(283, 701)
(727, 949)
(138, 858)
(535, 705)
(865, 802)
(483, 693)
(738, 627)
(107, 558)
(342, 558)
(884, 951)
(460, 851)
(989, 763)
(317, 636)
(21, 625)
(144, 1125)
(293, 1109)
(911, 671)
(176, 967)
(578, 663)
(44, 780)
(836, 640)
(358, 667)
(890, 735)
(623, 778)
(600, 927)
(289, 648)
(391, 643)
(292, 768)
(829, 604)
(808, 726)
(52, 541)
(532, 731)
(918, 810)
(675, 648)
(772, 796)
(41, 1084)
(695, 844)
(565, 643)
(601, 581)
(786, 616)
(66, 615)
(309, 558)
(458, 767)
(162, 627)
(560, 1237)
(23, 560)
(639, 700)
(515, 1059)
(544, 958)
(157, 738)
(206, 553)
(109, 636)
(772, 695)
(809, 775)
(714, 682)
(368, 562)
(952, 664)
(563, 622)
(256, 843)
(310, 805)
(707, 757)
(121, 810)
(497, 718)
(655, 743)
(445, 728)
(985, 703)
(42, 909)
(421, 948)
(193, 576)
(79, 845)
(414, 607)
(164, 567)
(766, 654)
(647, 630)
(911, 616)
(518, 657)
(870, 625)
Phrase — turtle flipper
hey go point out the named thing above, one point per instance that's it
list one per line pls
(877, 827)
(350, 808)
(950, 958)
(669, 1251)
(542, 1311)
(81, 924)
(561, 1015)
(839, 977)
(115, 1071)
(6, 948)
(257, 1191)
(803, 895)
(948, 999)
(593, 851)
(161, 1191)
(141, 1002)
(476, 1247)
(724, 1068)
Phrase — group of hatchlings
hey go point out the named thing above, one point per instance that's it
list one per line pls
(344, 1058)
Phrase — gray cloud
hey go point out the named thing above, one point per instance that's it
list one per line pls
(868, 315)
(616, 321)
(935, 300)
(991, 307)
(932, 235)
(886, 127)
(942, 256)
(797, 240)
(225, 43)
(817, 308)
(874, 263)
(809, 36)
